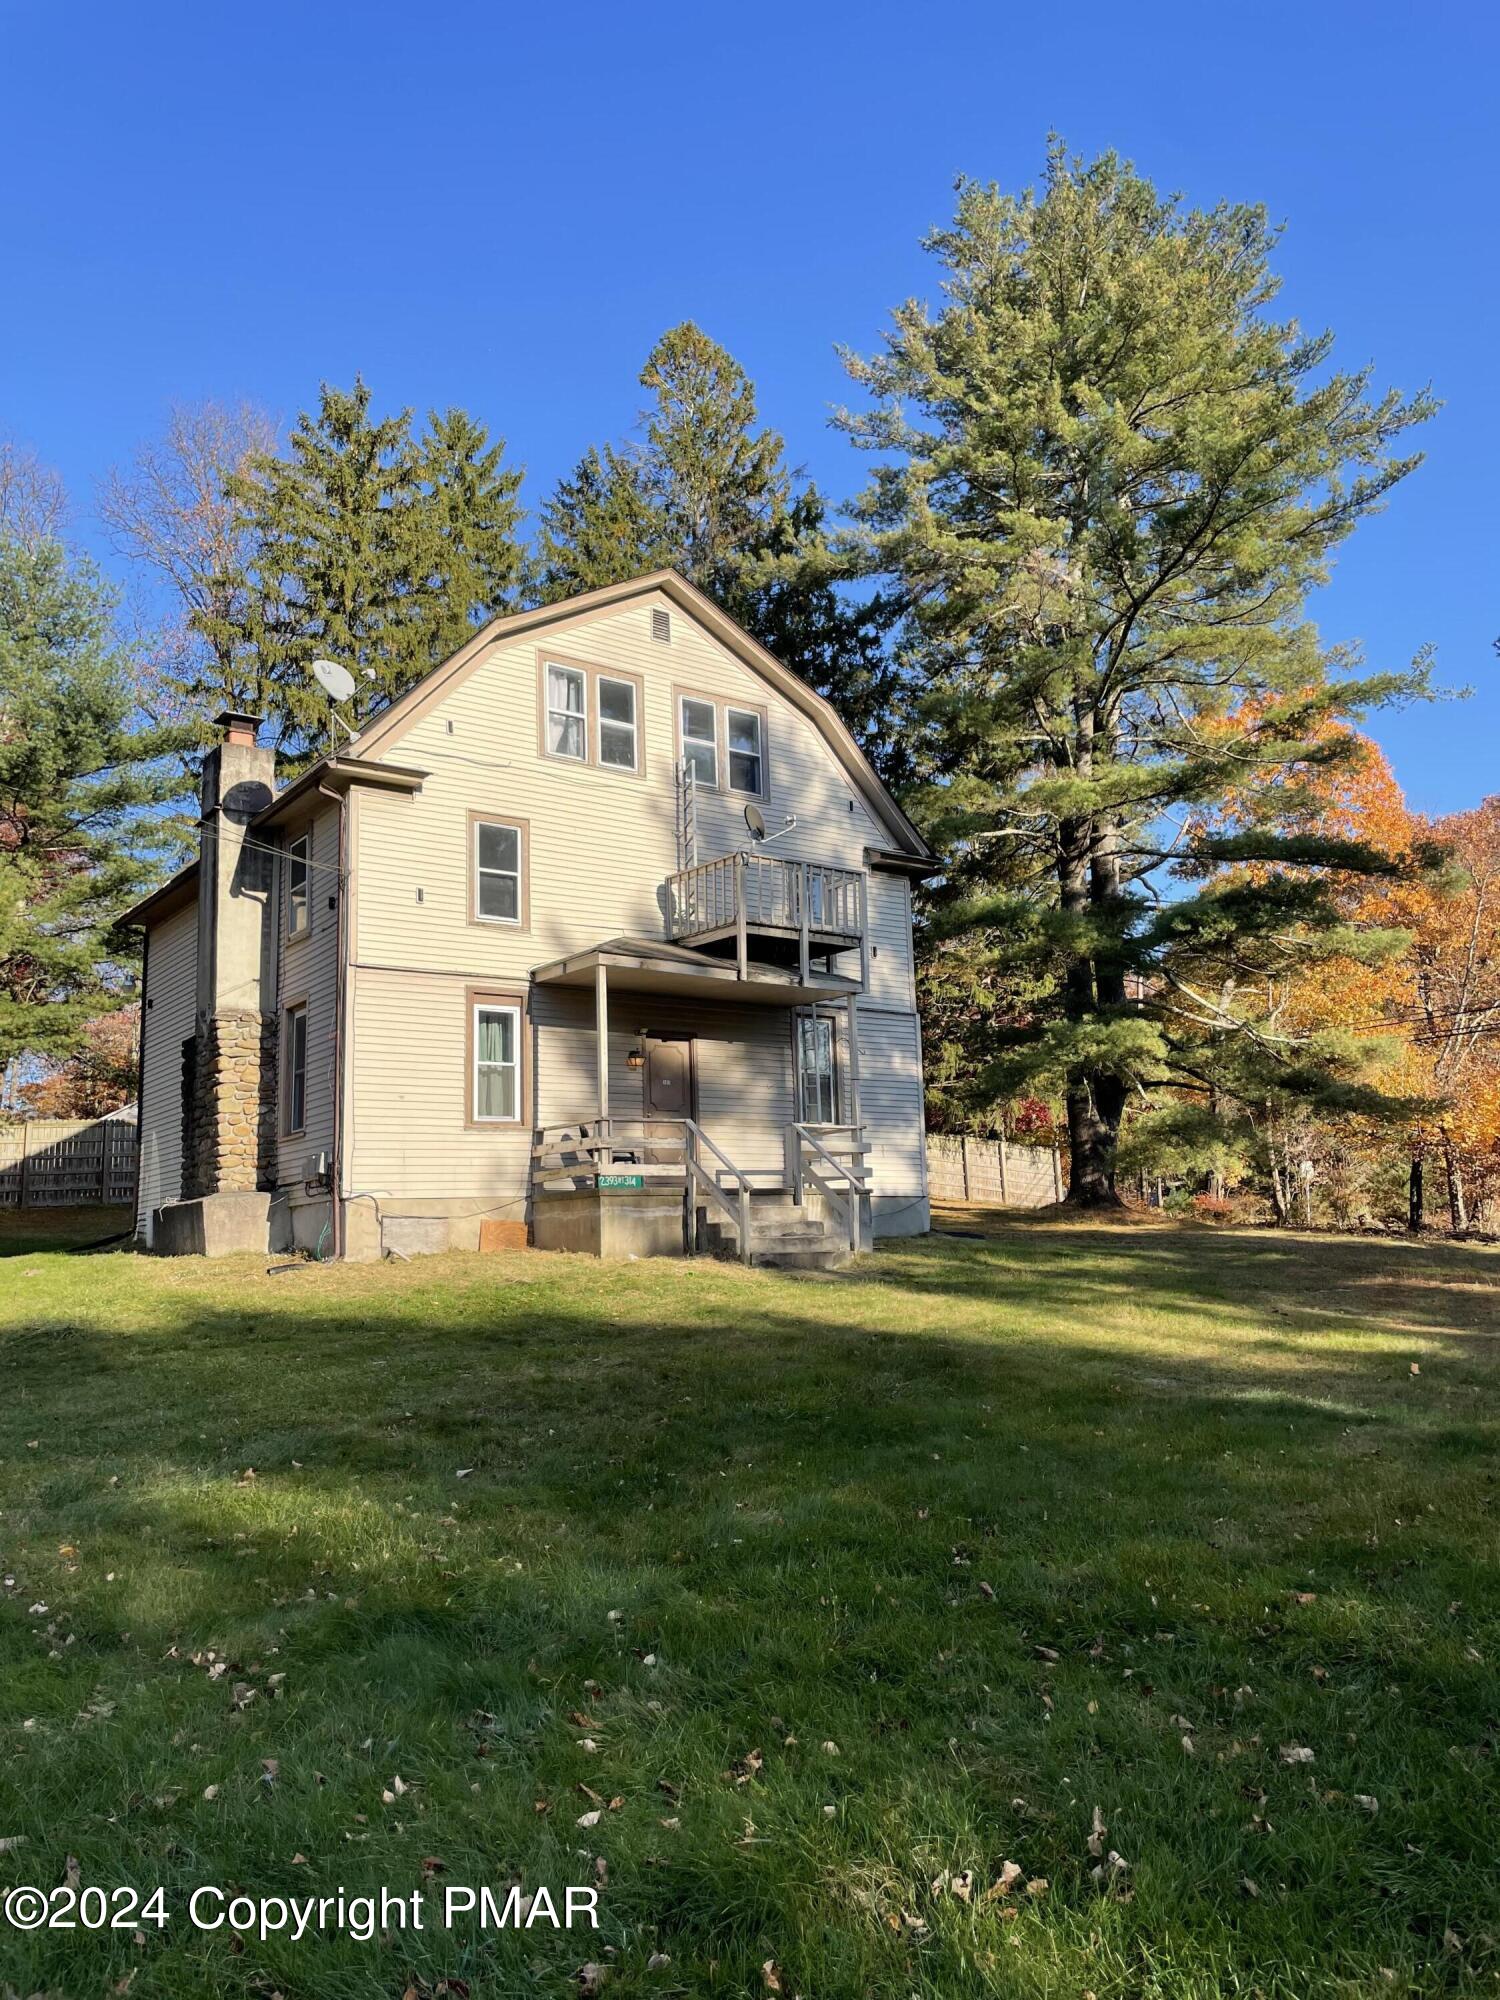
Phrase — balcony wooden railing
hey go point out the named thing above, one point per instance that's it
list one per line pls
(822, 907)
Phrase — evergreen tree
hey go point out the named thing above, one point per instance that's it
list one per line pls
(371, 548)
(470, 510)
(77, 785)
(598, 527)
(1110, 480)
(707, 492)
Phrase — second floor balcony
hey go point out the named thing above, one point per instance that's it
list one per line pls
(760, 906)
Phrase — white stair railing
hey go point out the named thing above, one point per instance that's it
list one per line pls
(831, 1158)
(737, 1210)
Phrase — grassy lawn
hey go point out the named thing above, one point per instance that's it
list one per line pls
(817, 1591)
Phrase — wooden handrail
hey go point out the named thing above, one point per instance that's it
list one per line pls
(739, 1210)
(846, 1201)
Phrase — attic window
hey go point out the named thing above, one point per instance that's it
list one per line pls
(661, 627)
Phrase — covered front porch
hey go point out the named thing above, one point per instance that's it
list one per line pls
(722, 1110)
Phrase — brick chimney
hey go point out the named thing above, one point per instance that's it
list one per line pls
(233, 1121)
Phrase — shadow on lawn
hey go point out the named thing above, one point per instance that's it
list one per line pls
(792, 1493)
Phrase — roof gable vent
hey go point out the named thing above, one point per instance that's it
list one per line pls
(661, 627)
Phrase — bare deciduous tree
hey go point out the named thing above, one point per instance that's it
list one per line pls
(169, 510)
(33, 501)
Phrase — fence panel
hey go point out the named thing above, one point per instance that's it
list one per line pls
(67, 1162)
(992, 1170)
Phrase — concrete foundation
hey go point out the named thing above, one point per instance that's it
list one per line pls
(214, 1225)
(613, 1222)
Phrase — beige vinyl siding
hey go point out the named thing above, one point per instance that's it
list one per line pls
(167, 1021)
(890, 1100)
(601, 846)
(602, 842)
(891, 976)
(308, 971)
(410, 1083)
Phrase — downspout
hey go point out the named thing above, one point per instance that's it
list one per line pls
(341, 979)
(141, 1230)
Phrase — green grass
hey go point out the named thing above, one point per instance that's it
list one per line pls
(1198, 1469)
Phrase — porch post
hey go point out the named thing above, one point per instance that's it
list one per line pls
(601, 1044)
(853, 1019)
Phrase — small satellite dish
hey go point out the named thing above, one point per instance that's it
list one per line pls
(334, 680)
(755, 819)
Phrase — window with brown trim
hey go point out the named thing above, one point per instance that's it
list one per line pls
(499, 864)
(723, 743)
(294, 1069)
(591, 715)
(298, 901)
(497, 1077)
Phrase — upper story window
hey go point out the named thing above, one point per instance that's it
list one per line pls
(567, 713)
(497, 861)
(298, 861)
(723, 744)
(700, 739)
(619, 724)
(592, 715)
(746, 763)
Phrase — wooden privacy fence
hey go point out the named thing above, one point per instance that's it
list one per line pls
(66, 1162)
(998, 1170)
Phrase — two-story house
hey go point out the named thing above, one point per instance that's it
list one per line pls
(599, 937)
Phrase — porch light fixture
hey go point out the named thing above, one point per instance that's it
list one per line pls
(636, 1059)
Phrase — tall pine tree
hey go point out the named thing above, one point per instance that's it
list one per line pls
(78, 782)
(1109, 480)
(372, 548)
(708, 492)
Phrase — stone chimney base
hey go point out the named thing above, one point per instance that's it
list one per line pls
(234, 1124)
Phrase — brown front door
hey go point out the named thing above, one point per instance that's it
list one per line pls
(669, 1090)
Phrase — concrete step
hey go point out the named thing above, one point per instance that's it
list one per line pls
(830, 1257)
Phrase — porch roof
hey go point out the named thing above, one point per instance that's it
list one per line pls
(648, 965)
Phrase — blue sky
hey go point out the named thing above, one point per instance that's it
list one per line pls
(502, 206)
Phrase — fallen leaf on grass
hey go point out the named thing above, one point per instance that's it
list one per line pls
(1367, 1802)
(1098, 1834)
(770, 1972)
(658, 1962)
(959, 1885)
(1296, 1753)
(589, 1818)
(747, 1767)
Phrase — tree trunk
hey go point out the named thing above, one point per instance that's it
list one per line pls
(1089, 877)
(1454, 1176)
(1414, 1196)
(1278, 1198)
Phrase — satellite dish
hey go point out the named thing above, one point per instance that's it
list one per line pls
(334, 680)
(755, 819)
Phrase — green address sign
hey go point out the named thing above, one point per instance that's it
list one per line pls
(620, 1181)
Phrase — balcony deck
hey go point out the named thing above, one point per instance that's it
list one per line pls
(790, 911)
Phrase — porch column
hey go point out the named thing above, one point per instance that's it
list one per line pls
(853, 1019)
(601, 1045)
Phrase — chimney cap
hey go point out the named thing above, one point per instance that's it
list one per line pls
(237, 725)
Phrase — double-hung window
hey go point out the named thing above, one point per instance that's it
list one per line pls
(746, 759)
(700, 739)
(294, 1069)
(567, 712)
(499, 861)
(298, 858)
(497, 1063)
(815, 1069)
(619, 744)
